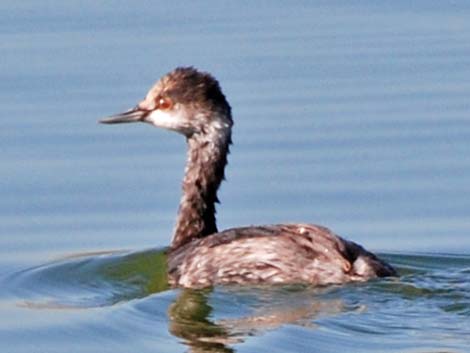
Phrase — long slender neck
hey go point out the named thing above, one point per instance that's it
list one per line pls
(207, 157)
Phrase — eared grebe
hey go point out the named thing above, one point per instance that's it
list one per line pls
(191, 102)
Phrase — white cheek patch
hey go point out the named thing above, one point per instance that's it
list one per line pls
(172, 120)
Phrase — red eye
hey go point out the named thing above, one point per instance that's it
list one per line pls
(164, 103)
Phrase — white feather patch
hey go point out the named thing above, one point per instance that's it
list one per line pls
(171, 120)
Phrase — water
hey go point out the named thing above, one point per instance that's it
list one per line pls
(121, 301)
(354, 116)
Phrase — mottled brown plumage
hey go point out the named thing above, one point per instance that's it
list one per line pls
(283, 253)
(191, 102)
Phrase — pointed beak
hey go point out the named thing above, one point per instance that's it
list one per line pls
(131, 116)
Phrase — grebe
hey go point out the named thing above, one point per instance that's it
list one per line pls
(191, 102)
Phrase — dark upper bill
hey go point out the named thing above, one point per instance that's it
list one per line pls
(131, 116)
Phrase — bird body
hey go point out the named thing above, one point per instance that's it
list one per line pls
(273, 254)
(191, 102)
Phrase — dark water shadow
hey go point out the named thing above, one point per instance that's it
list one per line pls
(90, 280)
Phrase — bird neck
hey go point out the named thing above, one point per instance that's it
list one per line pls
(206, 160)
